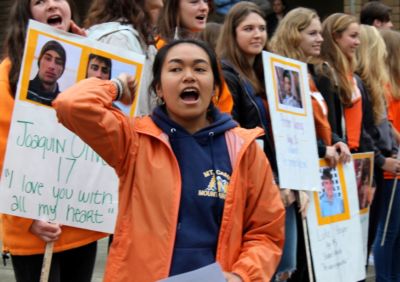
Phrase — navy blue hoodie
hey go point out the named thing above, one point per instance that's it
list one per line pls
(205, 170)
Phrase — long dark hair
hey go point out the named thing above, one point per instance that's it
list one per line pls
(228, 49)
(14, 42)
(132, 12)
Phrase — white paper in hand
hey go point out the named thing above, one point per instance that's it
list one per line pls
(211, 273)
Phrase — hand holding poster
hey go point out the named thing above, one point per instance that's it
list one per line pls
(49, 173)
(292, 122)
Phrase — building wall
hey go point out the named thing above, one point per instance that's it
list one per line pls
(395, 4)
(324, 8)
(354, 7)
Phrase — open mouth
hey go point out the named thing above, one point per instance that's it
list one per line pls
(190, 95)
(54, 20)
(201, 18)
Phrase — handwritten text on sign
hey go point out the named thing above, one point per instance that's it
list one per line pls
(57, 197)
(293, 130)
(48, 172)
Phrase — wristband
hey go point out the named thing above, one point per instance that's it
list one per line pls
(120, 87)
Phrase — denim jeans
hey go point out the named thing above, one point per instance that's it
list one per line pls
(288, 260)
(386, 257)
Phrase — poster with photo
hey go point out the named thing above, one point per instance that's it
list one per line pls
(48, 172)
(334, 226)
(364, 171)
(290, 108)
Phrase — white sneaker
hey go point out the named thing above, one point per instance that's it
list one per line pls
(371, 259)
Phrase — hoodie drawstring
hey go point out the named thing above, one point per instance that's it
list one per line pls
(219, 205)
(171, 137)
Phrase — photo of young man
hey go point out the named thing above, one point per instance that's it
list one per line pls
(51, 63)
(330, 201)
(289, 99)
(99, 66)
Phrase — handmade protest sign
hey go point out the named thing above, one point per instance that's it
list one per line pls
(289, 102)
(334, 226)
(48, 172)
(364, 171)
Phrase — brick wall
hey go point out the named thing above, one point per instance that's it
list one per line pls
(354, 7)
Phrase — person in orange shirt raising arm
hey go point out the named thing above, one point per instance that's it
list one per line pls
(194, 187)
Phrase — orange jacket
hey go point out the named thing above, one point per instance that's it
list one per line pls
(252, 229)
(16, 236)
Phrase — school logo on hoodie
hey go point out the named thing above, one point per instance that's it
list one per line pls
(217, 186)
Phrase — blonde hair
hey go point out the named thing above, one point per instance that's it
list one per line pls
(332, 28)
(372, 69)
(287, 38)
(392, 41)
(228, 48)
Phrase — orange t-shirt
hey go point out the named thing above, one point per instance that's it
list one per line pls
(160, 43)
(393, 108)
(320, 113)
(353, 118)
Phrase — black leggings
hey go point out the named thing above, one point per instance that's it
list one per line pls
(72, 265)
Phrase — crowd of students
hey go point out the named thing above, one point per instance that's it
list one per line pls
(204, 101)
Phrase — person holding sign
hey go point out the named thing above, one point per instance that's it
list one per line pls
(374, 75)
(386, 245)
(340, 87)
(299, 37)
(240, 45)
(44, 87)
(350, 112)
(25, 239)
(190, 186)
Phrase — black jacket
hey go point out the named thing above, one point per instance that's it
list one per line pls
(335, 138)
(37, 93)
(247, 112)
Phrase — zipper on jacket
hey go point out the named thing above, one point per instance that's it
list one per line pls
(219, 254)
(167, 144)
